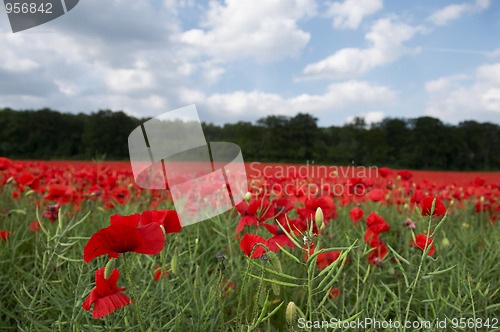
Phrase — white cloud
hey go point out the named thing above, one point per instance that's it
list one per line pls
(480, 100)
(249, 105)
(369, 117)
(263, 29)
(455, 11)
(350, 13)
(386, 37)
(443, 83)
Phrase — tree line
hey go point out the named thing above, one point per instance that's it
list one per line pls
(415, 143)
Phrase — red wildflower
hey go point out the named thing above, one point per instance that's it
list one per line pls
(384, 172)
(160, 274)
(254, 213)
(123, 235)
(426, 207)
(5, 163)
(378, 254)
(376, 195)
(5, 235)
(169, 219)
(422, 242)
(52, 213)
(35, 226)
(405, 175)
(324, 202)
(356, 215)
(278, 238)
(326, 258)
(121, 194)
(334, 292)
(60, 193)
(376, 223)
(247, 243)
(106, 296)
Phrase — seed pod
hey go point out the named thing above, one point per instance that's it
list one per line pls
(275, 287)
(275, 262)
(174, 262)
(110, 266)
(291, 313)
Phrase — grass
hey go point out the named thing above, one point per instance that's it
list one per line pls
(44, 280)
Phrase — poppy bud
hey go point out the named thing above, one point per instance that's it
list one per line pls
(445, 242)
(291, 313)
(109, 268)
(275, 262)
(174, 261)
(335, 174)
(248, 197)
(9, 180)
(481, 199)
(319, 217)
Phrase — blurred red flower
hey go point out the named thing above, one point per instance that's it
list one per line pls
(106, 296)
(376, 223)
(426, 207)
(35, 226)
(422, 242)
(334, 292)
(160, 274)
(5, 235)
(356, 215)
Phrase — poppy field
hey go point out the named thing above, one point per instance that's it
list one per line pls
(318, 248)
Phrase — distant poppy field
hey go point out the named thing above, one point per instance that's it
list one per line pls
(311, 247)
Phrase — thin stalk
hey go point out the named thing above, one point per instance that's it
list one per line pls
(133, 292)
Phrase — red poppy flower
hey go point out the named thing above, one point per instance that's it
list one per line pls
(121, 194)
(371, 238)
(327, 258)
(169, 219)
(5, 235)
(376, 195)
(405, 175)
(356, 215)
(254, 213)
(324, 202)
(247, 243)
(426, 207)
(378, 254)
(52, 213)
(60, 193)
(123, 235)
(35, 226)
(5, 163)
(384, 172)
(278, 238)
(376, 223)
(106, 296)
(422, 242)
(160, 274)
(334, 293)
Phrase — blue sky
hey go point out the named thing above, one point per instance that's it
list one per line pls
(242, 60)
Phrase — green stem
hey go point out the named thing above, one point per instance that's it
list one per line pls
(255, 311)
(133, 292)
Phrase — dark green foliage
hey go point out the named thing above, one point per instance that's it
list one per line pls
(420, 143)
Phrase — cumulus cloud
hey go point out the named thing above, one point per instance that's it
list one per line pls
(443, 83)
(263, 29)
(350, 13)
(248, 105)
(455, 11)
(479, 100)
(386, 37)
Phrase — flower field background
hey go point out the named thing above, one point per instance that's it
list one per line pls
(83, 248)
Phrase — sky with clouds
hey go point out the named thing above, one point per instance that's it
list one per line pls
(240, 60)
